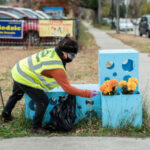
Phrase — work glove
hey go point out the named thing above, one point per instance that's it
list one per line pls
(93, 93)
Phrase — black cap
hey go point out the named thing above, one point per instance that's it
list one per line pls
(68, 44)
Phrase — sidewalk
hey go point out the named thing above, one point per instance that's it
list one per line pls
(88, 143)
(74, 143)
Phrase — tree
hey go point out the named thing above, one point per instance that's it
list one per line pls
(106, 10)
(145, 8)
(122, 10)
(134, 9)
(93, 4)
(2, 1)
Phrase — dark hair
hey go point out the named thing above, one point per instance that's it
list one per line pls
(68, 44)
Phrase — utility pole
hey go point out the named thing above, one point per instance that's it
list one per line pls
(99, 12)
(112, 14)
(118, 16)
(29, 3)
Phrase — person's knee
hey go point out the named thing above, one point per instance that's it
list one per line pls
(19, 96)
(45, 103)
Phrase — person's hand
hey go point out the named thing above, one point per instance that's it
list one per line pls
(93, 93)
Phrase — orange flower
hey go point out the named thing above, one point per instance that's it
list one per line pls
(133, 80)
(122, 83)
(113, 83)
(107, 86)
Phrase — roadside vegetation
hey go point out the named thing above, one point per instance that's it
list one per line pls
(104, 26)
(84, 69)
(137, 42)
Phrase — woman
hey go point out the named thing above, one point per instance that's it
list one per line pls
(42, 72)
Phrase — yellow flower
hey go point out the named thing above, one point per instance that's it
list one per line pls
(131, 86)
(133, 80)
(122, 83)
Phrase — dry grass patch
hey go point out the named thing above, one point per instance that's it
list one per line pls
(8, 57)
(142, 44)
(84, 68)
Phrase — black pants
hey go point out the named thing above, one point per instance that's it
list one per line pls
(40, 98)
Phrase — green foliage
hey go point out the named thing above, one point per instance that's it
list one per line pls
(106, 11)
(2, 1)
(93, 4)
(122, 10)
(104, 26)
(84, 36)
(145, 8)
(134, 8)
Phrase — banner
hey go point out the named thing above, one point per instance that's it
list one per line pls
(49, 28)
(11, 29)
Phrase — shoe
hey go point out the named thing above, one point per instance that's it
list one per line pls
(7, 119)
(39, 131)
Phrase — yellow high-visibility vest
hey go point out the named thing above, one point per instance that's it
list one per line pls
(28, 71)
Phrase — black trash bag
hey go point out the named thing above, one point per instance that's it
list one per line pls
(63, 114)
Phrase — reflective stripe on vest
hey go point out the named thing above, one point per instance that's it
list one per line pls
(34, 67)
(26, 76)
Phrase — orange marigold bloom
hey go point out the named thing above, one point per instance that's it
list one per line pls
(113, 83)
(107, 86)
(102, 88)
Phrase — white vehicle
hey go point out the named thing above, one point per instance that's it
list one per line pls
(31, 13)
(43, 14)
(125, 25)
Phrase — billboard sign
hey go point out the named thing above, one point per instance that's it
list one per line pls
(11, 29)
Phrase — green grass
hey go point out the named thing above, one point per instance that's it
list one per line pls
(102, 27)
(84, 36)
(87, 127)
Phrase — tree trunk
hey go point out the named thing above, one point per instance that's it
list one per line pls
(99, 12)
(117, 16)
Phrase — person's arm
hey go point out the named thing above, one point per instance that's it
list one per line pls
(60, 76)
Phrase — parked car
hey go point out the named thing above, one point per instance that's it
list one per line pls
(15, 11)
(144, 25)
(31, 13)
(30, 29)
(125, 25)
(8, 16)
(43, 14)
(135, 21)
(59, 17)
(106, 21)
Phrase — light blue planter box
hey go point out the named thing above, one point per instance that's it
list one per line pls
(121, 110)
(84, 106)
